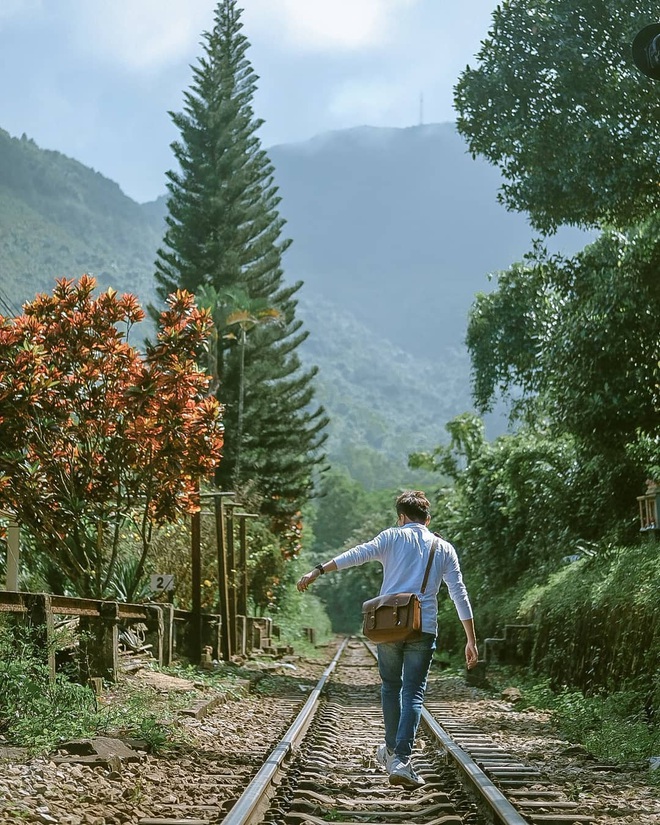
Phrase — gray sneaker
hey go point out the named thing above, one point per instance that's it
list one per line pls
(384, 756)
(402, 773)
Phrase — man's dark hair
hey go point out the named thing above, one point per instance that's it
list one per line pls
(414, 505)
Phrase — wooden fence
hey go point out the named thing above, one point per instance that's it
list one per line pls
(169, 632)
(191, 633)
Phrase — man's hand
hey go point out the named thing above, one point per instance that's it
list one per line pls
(471, 655)
(305, 581)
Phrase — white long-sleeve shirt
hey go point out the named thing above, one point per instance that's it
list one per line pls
(404, 554)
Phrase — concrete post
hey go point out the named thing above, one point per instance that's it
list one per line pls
(241, 635)
(223, 586)
(195, 630)
(167, 614)
(99, 644)
(39, 619)
(155, 632)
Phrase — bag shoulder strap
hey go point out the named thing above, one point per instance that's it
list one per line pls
(428, 566)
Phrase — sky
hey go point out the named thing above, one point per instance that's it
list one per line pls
(96, 79)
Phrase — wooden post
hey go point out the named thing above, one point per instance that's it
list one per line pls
(13, 548)
(241, 635)
(231, 565)
(223, 589)
(195, 634)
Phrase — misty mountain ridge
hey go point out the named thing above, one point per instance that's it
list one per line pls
(394, 231)
(416, 228)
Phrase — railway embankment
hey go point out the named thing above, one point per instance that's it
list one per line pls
(219, 726)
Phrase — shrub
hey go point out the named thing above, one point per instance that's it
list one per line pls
(38, 713)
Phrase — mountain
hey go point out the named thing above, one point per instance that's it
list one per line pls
(401, 227)
(394, 231)
(59, 218)
(384, 402)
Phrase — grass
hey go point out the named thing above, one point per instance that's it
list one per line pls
(38, 713)
(618, 727)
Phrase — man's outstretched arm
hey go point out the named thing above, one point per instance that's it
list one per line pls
(305, 581)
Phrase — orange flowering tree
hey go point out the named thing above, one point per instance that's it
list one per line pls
(95, 435)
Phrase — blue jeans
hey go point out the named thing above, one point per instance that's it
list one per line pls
(404, 669)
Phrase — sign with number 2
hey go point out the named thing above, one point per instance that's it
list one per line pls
(162, 581)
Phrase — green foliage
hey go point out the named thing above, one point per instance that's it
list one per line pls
(575, 341)
(129, 582)
(340, 508)
(368, 435)
(139, 712)
(94, 433)
(360, 370)
(557, 103)
(223, 238)
(269, 571)
(348, 515)
(35, 712)
(467, 440)
(269, 574)
(170, 554)
(39, 713)
(511, 510)
(58, 217)
(154, 733)
(598, 626)
(375, 469)
(451, 636)
(508, 329)
(38, 572)
(344, 593)
(299, 611)
(613, 727)
(580, 332)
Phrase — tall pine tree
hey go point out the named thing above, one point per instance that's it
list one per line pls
(223, 243)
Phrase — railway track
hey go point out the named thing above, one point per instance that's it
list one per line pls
(323, 770)
(303, 752)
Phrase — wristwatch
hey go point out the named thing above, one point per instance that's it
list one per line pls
(319, 567)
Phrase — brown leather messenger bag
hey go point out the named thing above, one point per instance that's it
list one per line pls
(395, 617)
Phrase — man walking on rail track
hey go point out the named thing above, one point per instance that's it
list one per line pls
(404, 552)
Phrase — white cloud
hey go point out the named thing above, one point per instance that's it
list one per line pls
(142, 34)
(327, 25)
(369, 101)
(146, 35)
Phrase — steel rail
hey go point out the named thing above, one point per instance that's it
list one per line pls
(499, 805)
(252, 799)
